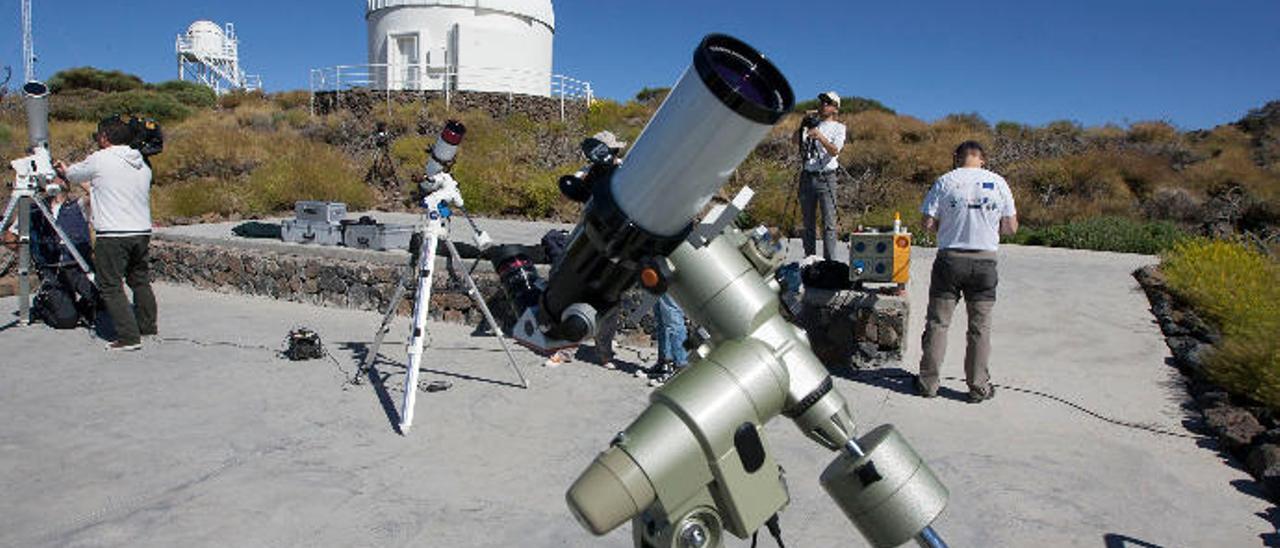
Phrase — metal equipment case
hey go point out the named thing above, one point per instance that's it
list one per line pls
(310, 232)
(381, 237)
(322, 212)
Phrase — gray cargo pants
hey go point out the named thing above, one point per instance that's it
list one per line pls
(956, 274)
(819, 188)
(120, 262)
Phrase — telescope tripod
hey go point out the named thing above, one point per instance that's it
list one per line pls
(19, 206)
(431, 233)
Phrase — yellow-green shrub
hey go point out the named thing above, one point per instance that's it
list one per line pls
(1238, 290)
(197, 197)
(306, 171)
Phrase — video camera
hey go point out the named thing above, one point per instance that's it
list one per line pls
(148, 139)
(810, 120)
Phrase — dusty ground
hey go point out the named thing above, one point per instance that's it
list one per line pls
(201, 444)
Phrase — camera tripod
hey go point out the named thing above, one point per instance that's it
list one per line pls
(433, 231)
(31, 171)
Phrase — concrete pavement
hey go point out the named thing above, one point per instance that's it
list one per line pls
(201, 443)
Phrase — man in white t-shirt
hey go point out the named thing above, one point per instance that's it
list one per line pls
(970, 208)
(821, 147)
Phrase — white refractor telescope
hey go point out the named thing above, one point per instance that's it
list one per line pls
(695, 465)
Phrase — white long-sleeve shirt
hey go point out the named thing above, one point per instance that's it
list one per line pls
(120, 189)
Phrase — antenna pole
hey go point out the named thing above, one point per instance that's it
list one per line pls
(28, 45)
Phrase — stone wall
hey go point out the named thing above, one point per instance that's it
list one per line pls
(1244, 428)
(498, 105)
(847, 328)
(854, 328)
(324, 281)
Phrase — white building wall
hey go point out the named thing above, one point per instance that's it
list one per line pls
(493, 45)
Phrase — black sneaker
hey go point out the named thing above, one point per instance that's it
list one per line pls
(119, 346)
(975, 397)
(921, 391)
(661, 373)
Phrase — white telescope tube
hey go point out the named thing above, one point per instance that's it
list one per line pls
(720, 109)
(36, 97)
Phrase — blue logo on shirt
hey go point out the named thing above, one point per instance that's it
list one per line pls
(988, 186)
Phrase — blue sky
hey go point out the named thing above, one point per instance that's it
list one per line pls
(1194, 63)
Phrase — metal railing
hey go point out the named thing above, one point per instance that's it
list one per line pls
(447, 80)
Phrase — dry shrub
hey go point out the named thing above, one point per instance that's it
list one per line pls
(212, 146)
(1153, 132)
(1174, 204)
(288, 100)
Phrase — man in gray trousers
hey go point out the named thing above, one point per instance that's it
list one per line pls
(970, 208)
(821, 146)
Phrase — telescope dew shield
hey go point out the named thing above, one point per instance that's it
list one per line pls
(36, 99)
(713, 118)
(889, 494)
(446, 148)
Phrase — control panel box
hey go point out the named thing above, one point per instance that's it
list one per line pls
(880, 257)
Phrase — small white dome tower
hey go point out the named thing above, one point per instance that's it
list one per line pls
(210, 55)
(471, 45)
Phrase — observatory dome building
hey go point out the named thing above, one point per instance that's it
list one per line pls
(210, 55)
(468, 45)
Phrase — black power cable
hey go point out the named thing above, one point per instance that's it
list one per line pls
(278, 352)
(1053, 398)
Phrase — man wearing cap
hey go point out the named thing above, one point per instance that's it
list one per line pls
(970, 208)
(821, 147)
(119, 183)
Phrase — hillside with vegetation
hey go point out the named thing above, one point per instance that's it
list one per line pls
(1137, 187)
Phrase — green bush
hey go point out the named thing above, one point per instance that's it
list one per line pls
(1116, 234)
(95, 79)
(91, 106)
(1238, 290)
(652, 96)
(188, 93)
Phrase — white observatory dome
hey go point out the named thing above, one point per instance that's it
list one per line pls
(207, 38)
(474, 45)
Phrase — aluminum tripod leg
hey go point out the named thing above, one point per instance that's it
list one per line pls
(4, 224)
(474, 292)
(17, 206)
(392, 306)
(417, 337)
